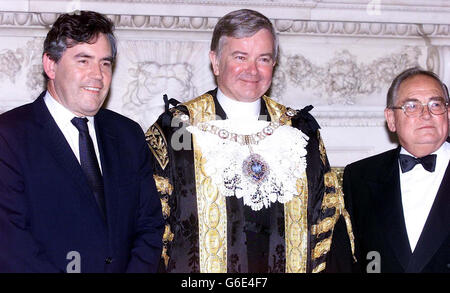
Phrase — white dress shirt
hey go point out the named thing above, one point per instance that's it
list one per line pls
(418, 190)
(63, 117)
(239, 110)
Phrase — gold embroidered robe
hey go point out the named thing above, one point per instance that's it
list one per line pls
(206, 232)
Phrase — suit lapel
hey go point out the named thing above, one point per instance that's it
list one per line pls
(61, 151)
(388, 207)
(436, 228)
(57, 144)
(109, 158)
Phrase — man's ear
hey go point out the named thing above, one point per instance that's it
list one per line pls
(448, 114)
(390, 119)
(214, 62)
(49, 66)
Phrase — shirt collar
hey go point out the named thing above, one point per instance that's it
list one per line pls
(239, 110)
(443, 149)
(61, 114)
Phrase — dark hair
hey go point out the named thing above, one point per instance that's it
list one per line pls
(408, 73)
(71, 29)
(242, 24)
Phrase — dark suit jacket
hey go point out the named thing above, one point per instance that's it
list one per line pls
(373, 199)
(47, 208)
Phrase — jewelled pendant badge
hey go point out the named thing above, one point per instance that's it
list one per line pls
(255, 168)
(258, 161)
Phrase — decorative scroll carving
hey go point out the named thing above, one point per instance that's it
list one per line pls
(10, 63)
(150, 81)
(342, 78)
(23, 63)
(206, 23)
(369, 29)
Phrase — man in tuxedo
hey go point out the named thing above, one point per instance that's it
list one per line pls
(76, 188)
(399, 200)
(240, 193)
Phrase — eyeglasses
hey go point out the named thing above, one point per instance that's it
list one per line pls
(415, 108)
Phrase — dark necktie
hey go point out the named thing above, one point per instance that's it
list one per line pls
(89, 162)
(408, 162)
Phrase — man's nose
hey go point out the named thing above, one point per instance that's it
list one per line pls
(96, 72)
(426, 113)
(252, 67)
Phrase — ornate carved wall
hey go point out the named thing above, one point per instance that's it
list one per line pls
(339, 56)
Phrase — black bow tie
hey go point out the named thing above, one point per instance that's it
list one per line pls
(408, 162)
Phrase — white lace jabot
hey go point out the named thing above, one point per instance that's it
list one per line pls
(282, 156)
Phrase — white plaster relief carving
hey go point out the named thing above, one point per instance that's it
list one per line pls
(300, 3)
(374, 118)
(391, 4)
(205, 23)
(355, 28)
(23, 65)
(151, 82)
(157, 68)
(10, 64)
(343, 78)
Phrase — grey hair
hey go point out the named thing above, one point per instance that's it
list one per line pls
(242, 23)
(408, 73)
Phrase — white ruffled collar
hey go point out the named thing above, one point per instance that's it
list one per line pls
(277, 162)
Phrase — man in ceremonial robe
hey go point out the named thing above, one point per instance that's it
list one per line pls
(244, 181)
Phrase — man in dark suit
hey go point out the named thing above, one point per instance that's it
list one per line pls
(399, 200)
(76, 186)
